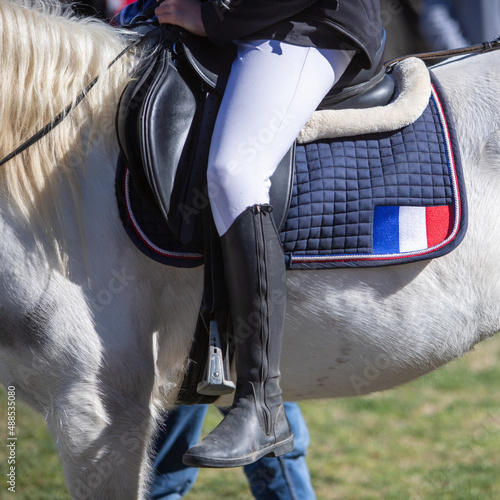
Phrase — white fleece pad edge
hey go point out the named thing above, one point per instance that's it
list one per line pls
(413, 90)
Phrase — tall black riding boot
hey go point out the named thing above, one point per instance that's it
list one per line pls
(256, 424)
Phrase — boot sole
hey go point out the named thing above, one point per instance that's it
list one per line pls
(276, 450)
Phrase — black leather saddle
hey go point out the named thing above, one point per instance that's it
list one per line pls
(165, 121)
(167, 113)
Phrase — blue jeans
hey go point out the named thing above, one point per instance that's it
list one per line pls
(282, 478)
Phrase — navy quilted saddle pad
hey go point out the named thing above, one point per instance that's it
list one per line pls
(372, 200)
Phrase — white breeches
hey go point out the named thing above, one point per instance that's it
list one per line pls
(272, 91)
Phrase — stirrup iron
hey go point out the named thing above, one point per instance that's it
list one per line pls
(217, 379)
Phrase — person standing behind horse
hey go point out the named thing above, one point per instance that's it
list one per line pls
(289, 55)
(451, 24)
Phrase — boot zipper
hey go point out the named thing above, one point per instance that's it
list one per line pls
(265, 330)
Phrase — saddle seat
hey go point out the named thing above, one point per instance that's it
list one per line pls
(358, 88)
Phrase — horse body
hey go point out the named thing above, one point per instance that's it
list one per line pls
(95, 335)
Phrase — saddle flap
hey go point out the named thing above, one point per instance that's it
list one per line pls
(156, 127)
(163, 140)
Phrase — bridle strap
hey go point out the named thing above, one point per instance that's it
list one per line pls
(444, 54)
(60, 117)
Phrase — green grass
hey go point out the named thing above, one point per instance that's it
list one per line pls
(436, 438)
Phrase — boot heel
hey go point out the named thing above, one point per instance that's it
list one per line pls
(282, 448)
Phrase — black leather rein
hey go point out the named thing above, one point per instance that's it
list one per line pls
(445, 54)
(65, 112)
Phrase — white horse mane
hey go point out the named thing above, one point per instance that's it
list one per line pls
(48, 57)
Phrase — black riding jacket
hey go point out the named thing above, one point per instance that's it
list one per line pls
(326, 24)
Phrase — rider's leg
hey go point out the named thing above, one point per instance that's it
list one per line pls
(272, 91)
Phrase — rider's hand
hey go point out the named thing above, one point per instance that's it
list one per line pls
(183, 13)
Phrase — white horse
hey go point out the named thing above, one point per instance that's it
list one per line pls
(95, 335)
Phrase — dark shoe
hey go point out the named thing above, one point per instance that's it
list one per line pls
(240, 438)
(256, 425)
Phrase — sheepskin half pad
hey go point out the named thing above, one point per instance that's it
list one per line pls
(412, 93)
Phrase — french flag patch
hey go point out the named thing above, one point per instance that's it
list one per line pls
(410, 229)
